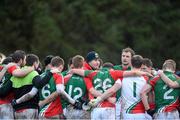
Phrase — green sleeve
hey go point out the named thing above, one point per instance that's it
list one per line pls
(87, 72)
(178, 81)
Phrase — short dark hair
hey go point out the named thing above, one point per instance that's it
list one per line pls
(57, 61)
(7, 60)
(77, 61)
(108, 65)
(128, 49)
(137, 61)
(70, 61)
(18, 55)
(47, 59)
(31, 59)
(147, 62)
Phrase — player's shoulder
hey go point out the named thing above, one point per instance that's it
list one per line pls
(145, 77)
(117, 67)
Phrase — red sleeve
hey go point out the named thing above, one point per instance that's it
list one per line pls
(1, 67)
(116, 74)
(146, 78)
(66, 79)
(90, 74)
(153, 81)
(12, 68)
(58, 78)
(88, 83)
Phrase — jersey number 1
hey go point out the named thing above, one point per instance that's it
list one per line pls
(134, 89)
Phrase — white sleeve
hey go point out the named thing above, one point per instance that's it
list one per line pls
(60, 90)
(118, 81)
(33, 91)
(27, 96)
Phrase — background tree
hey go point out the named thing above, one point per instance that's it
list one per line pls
(69, 27)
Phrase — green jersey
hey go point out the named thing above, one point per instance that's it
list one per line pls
(75, 86)
(103, 80)
(55, 107)
(120, 67)
(64, 73)
(166, 98)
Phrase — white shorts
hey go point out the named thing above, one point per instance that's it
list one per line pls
(118, 109)
(27, 114)
(6, 111)
(107, 113)
(138, 116)
(167, 115)
(60, 116)
(72, 113)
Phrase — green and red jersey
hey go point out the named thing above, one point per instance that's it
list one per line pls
(7, 83)
(166, 98)
(103, 80)
(55, 107)
(1, 67)
(86, 66)
(75, 86)
(120, 67)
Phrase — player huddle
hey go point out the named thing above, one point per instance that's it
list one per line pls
(88, 89)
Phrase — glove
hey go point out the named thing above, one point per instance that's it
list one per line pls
(78, 105)
(85, 101)
(95, 102)
(150, 112)
(13, 102)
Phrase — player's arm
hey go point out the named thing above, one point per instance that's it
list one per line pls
(2, 73)
(84, 73)
(94, 92)
(22, 72)
(49, 99)
(39, 82)
(146, 89)
(106, 94)
(60, 90)
(5, 68)
(116, 74)
(136, 73)
(25, 97)
(111, 90)
(170, 83)
(80, 72)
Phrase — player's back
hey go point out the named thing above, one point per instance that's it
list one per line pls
(131, 100)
